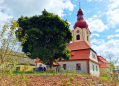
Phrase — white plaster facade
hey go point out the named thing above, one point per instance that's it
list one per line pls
(43, 65)
(91, 56)
(72, 65)
(95, 71)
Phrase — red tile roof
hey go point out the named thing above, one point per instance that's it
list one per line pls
(55, 63)
(102, 65)
(38, 61)
(101, 59)
(78, 45)
(80, 54)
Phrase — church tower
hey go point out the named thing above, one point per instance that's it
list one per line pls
(81, 31)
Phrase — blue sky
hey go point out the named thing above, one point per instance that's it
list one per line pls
(102, 17)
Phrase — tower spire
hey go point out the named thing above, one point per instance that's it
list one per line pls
(79, 5)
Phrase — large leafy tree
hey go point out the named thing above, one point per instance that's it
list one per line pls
(48, 36)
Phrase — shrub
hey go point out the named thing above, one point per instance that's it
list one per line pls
(62, 70)
(73, 71)
(71, 79)
(69, 84)
(8, 57)
(64, 81)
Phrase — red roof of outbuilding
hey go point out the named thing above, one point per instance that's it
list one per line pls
(54, 63)
(101, 59)
(38, 61)
(102, 65)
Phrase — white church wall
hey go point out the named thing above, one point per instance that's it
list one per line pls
(91, 56)
(42, 65)
(72, 65)
(95, 72)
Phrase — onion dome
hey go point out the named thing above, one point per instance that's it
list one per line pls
(80, 23)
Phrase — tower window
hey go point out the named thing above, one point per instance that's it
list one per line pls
(77, 37)
(87, 38)
(77, 31)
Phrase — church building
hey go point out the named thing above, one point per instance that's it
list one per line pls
(83, 57)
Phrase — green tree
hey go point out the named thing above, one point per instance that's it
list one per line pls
(9, 55)
(48, 36)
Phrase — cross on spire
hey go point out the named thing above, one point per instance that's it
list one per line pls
(79, 5)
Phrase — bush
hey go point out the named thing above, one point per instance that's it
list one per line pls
(69, 84)
(71, 79)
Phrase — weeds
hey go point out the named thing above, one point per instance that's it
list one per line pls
(64, 81)
(9, 58)
(69, 84)
(71, 79)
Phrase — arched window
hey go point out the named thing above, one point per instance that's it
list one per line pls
(77, 31)
(87, 38)
(78, 37)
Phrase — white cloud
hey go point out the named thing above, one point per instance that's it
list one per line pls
(4, 17)
(89, 0)
(94, 16)
(96, 25)
(69, 14)
(97, 41)
(112, 36)
(117, 30)
(69, 23)
(94, 0)
(113, 4)
(113, 17)
(99, 11)
(1, 1)
(29, 8)
(94, 34)
(16, 8)
(110, 47)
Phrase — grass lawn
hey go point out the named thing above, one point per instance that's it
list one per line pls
(102, 77)
(38, 73)
(105, 78)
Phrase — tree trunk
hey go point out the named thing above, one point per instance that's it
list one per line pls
(51, 62)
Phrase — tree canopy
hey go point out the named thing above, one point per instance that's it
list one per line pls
(48, 36)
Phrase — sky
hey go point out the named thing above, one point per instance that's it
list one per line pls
(102, 17)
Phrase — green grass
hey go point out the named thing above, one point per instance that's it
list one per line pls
(105, 78)
(102, 77)
(30, 72)
(38, 73)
